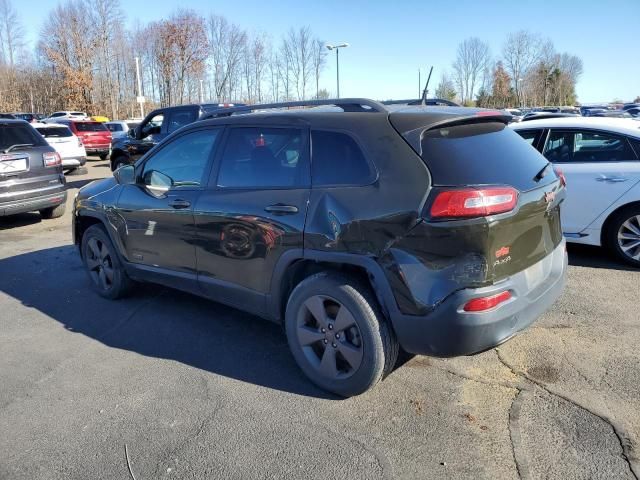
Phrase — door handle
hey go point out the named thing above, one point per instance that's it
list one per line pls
(612, 179)
(179, 203)
(280, 209)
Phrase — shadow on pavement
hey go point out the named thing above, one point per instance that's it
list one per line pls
(156, 322)
(19, 220)
(79, 184)
(595, 257)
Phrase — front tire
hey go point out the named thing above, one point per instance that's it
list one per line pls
(623, 235)
(106, 273)
(103, 156)
(53, 212)
(337, 334)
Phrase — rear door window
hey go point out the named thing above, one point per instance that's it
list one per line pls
(581, 146)
(481, 154)
(336, 159)
(256, 157)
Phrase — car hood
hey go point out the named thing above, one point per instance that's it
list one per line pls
(97, 187)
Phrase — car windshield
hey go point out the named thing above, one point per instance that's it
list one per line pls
(54, 132)
(16, 134)
(91, 127)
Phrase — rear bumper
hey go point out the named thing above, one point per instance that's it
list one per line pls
(72, 162)
(33, 203)
(98, 148)
(449, 331)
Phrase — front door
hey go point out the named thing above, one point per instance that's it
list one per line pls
(253, 212)
(158, 210)
(599, 166)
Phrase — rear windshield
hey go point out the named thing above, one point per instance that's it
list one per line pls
(49, 132)
(90, 127)
(24, 116)
(482, 154)
(114, 127)
(79, 114)
(19, 134)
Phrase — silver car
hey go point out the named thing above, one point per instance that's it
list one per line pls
(120, 128)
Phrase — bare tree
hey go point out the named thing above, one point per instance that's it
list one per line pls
(520, 53)
(319, 61)
(472, 60)
(227, 43)
(11, 32)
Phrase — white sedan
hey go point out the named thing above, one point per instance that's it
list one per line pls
(69, 146)
(600, 158)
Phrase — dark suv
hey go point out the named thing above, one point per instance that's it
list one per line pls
(362, 229)
(31, 177)
(155, 127)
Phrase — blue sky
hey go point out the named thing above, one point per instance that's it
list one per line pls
(391, 40)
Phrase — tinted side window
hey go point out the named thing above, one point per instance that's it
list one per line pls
(114, 127)
(587, 146)
(180, 119)
(19, 134)
(184, 159)
(264, 158)
(336, 159)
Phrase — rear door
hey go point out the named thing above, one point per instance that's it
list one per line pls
(599, 166)
(158, 229)
(252, 213)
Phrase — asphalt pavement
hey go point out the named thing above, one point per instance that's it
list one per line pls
(167, 385)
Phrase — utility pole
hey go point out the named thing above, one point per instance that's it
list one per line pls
(337, 48)
(140, 98)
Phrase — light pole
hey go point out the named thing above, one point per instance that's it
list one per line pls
(337, 48)
(140, 98)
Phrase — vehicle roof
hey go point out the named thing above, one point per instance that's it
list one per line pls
(47, 125)
(627, 126)
(13, 120)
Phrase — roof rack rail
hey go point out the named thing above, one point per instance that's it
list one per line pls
(418, 101)
(347, 104)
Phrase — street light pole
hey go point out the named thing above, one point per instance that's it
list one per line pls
(139, 88)
(337, 48)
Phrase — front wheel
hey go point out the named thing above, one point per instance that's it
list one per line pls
(337, 334)
(103, 156)
(107, 275)
(623, 235)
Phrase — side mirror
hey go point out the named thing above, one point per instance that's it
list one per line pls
(125, 175)
(132, 133)
(157, 183)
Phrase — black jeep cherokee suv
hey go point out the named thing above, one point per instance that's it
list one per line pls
(362, 228)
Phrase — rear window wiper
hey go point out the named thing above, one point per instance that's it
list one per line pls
(540, 175)
(17, 145)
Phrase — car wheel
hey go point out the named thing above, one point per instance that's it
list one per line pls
(53, 212)
(623, 235)
(103, 156)
(337, 334)
(106, 272)
(118, 162)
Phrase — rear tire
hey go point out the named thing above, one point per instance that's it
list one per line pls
(106, 273)
(53, 212)
(337, 334)
(622, 236)
(103, 156)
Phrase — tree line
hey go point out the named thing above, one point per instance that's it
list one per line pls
(85, 60)
(527, 72)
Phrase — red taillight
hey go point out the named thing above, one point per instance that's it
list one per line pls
(474, 202)
(486, 303)
(51, 159)
(560, 175)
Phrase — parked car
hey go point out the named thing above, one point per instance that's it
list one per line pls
(634, 112)
(600, 158)
(516, 115)
(31, 177)
(157, 125)
(120, 128)
(628, 106)
(589, 112)
(95, 137)
(434, 229)
(538, 115)
(8, 116)
(66, 114)
(68, 145)
(611, 114)
(100, 118)
(27, 117)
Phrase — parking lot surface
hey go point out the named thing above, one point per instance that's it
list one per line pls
(167, 385)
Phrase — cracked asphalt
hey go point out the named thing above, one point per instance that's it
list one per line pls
(167, 385)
